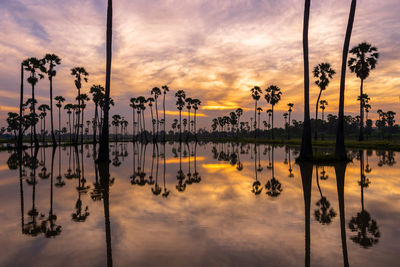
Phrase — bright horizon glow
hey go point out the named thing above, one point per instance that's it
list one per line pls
(214, 50)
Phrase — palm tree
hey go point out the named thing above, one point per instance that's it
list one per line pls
(340, 150)
(306, 145)
(165, 90)
(255, 94)
(133, 106)
(290, 105)
(104, 149)
(196, 103)
(150, 100)
(69, 107)
(323, 72)
(43, 114)
(82, 98)
(273, 95)
(325, 213)
(79, 73)
(364, 60)
(116, 122)
(21, 106)
(189, 107)
(156, 92)
(33, 65)
(180, 104)
(323, 104)
(97, 92)
(52, 60)
(59, 100)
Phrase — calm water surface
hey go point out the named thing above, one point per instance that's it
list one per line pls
(198, 205)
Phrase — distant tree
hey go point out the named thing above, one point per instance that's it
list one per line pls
(273, 95)
(255, 94)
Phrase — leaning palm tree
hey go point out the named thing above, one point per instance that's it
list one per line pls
(79, 73)
(273, 95)
(165, 90)
(255, 94)
(180, 104)
(323, 72)
(104, 149)
(52, 60)
(33, 65)
(364, 60)
(306, 145)
(59, 100)
(156, 92)
(340, 150)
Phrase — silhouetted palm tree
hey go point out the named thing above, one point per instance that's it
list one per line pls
(273, 95)
(69, 107)
(156, 92)
(165, 90)
(21, 106)
(364, 60)
(180, 95)
(59, 100)
(273, 186)
(196, 103)
(290, 105)
(323, 72)
(97, 92)
(52, 60)
(43, 114)
(306, 145)
(33, 65)
(340, 150)
(80, 74)
(325, 213)
(255, 94)
(104, 149)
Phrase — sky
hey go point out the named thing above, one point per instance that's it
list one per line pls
(214, 50)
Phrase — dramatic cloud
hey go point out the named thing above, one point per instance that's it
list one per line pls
(214, 50)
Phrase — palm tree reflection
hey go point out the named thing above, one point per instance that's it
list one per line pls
(325, 213)
(366, 228)
(257, 187)
(273, 186)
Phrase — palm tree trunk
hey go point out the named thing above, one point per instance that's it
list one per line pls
(180, 125)
(195, 124)
(306, 145)
(70, 133)
(133, 124)
(156, 116)
(288, 130)
(96, 114)
(255, 119)
(306, 170)
(104, 149)
(316, 116)
(272, 123)
(34, 112)
(164, 116)
(152, 122)
(21, 103)
(78, 117)
(340, 149)
(53, 137)
(59, 125)
(361, 136)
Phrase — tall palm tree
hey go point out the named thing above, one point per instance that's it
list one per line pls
(33, 65)
(133, 106)
(340, 150)
(180, 95)
(97, 92)
(150, 100)
(69, 108)
(59, 100)
(365, 57)
(255, 94)
(196, 103)
(43, 114)
(165, 90)
(52, 60)
(188, 101)
(156, 92)
(80, 74)
(273, 95)
(104, 149)
(21, 106)
(83, 98)
(323, 72)
(290, 105)
(306, 145)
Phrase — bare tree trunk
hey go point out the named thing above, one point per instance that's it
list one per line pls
(306, 145)
(340, 150)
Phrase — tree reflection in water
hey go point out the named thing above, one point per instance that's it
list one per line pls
(273, 186)
(325, 213)
(366, 228)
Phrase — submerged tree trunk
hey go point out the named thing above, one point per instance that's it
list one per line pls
(306, 145)
(104, 149)
(340, 150)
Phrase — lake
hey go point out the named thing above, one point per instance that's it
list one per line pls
(198, 204)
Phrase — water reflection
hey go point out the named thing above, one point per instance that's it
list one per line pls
(230, 179)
